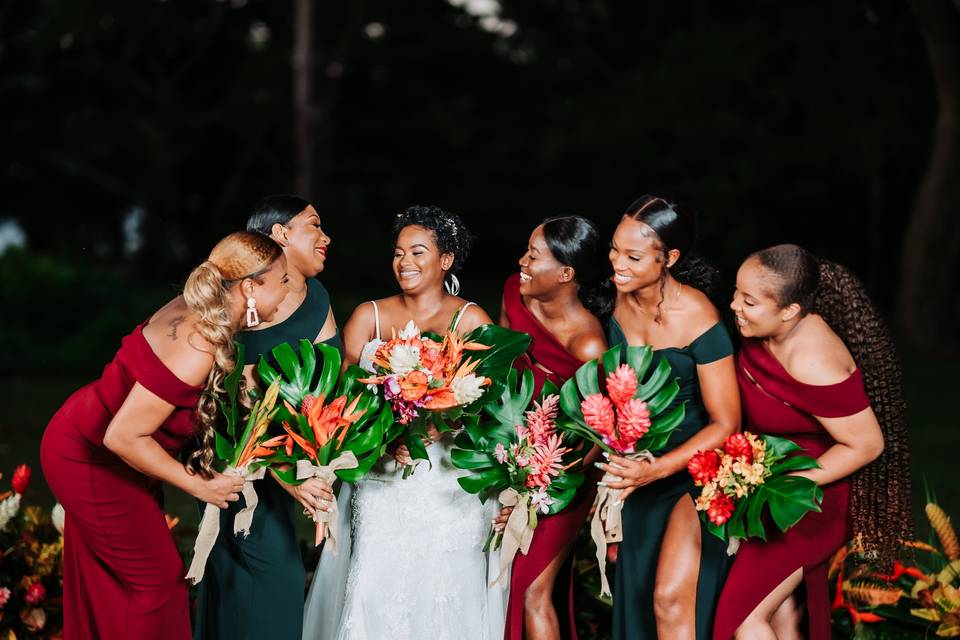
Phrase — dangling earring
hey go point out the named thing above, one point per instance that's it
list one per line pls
(253, 318)
(452, 285)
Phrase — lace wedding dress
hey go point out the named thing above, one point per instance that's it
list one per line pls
(410, 564)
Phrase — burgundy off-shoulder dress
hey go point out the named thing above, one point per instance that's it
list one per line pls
(123, 577)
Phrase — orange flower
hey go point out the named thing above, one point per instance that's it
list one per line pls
(414, 385)
(441, 399)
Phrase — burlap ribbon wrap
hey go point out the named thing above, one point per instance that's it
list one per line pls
(606, 527)
(326, 520)
(210, 524)
(518, 533)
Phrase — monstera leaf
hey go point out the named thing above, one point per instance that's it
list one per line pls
(656, 387)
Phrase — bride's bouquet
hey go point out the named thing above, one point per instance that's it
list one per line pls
(747, 475)
(519, 454)
(627, 416)
(242, 449)
(434, 381)
(334, 427)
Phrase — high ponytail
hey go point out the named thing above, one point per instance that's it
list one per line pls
(880, 496)
(880, 492)
(237, 257)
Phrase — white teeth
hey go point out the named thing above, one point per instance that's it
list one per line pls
(409, 274)
(741, 321)
(524, 277)
(621, 278)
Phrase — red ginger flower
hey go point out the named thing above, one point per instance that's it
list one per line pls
(720, 509)
(737, 446)
(21, 478)
(703, 466)
(35, 594)
(598, 414)
(622, 384)
(633, 419)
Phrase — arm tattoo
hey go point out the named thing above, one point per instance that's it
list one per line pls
(173, 326)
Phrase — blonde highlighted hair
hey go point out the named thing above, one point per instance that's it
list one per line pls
(237, 257)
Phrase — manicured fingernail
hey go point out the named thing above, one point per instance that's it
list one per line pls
(606, 455)
(598, 465)
(618, 503)
(601, 484)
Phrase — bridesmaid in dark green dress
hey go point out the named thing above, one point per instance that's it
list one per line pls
(669, 569)
(254, 586)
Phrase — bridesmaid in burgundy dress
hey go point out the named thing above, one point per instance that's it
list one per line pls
(800, 320)
(113, 442)
(546, 300)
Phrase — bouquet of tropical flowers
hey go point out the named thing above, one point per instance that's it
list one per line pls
(630, 416)
(519, 454)
(31, 550)
(435, 381)
(334, 426)
(919, 594)
(746, 475)
(242, 452)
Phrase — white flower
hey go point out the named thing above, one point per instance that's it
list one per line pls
(467, 388)
(9, 509)
(58, 515)
(367, 355)
(409, 331)
(541, 501)
(404, 359)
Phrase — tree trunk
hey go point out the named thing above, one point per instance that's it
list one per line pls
(929, 311)
(303, 112)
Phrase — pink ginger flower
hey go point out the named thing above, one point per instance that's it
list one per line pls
(541, 420)
(598, 414)
(546, 462)
(622, 384)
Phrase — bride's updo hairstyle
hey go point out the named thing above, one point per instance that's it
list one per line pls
(239, 256)
(449, 232)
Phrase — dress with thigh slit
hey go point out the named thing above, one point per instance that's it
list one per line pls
(548, 360)
(122, 575)
(647, 510)
(776, 404)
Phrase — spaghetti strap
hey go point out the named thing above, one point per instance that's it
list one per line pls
(376, 316)
(457, 318)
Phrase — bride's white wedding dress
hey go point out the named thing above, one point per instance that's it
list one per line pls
(415, 569)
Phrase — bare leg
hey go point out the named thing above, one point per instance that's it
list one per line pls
(539, 615)
(757, 625)
(786, 620)
(678, 570)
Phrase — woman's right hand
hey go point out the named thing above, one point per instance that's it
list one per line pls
(218, 490)
(500, 522)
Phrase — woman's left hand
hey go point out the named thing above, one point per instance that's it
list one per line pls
(632, 474)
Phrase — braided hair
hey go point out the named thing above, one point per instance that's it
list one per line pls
(674, 228)
(449, 232)
(880, 492)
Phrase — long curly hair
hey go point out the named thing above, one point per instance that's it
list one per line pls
(880, 492)
(675, 228)
(239, 256)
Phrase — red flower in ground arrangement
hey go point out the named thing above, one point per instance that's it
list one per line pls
(721, 508)
(21, 478)
(704, 465)
(598, 414)
(738, 447)
(35, 593)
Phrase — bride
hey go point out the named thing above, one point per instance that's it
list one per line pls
(416, 570)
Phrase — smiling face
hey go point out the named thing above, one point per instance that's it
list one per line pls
(268, 289)
(304, 243)
(759, 314)
(636, 255)
(540, 272)
(418, 264)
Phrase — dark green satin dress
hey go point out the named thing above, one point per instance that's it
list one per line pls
(254, 586)
(647, 510)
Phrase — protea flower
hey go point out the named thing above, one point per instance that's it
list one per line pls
(738, 446)
(703, 466)
(721, 508)
(622, 384)
(598, 414)
(21, 478)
